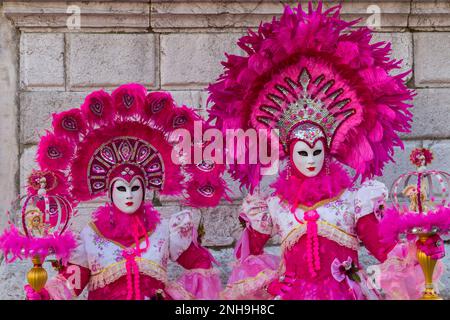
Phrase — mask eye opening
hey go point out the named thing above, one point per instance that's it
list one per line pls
(317, 152)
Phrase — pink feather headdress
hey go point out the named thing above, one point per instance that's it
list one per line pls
(310, 70)
(127, 128)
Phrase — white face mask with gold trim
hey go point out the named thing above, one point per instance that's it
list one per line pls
(127, 197)
(309, 161)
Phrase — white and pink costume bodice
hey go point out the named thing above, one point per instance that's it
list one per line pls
(104, 265)
(340, 225)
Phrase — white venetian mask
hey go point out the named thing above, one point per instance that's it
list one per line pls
(127, 197)
(309, 161)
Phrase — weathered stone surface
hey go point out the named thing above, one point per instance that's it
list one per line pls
(9, 144)
(432, 70)
(109, 60)
(431, 114)
(441, 153)
(402, 48)
(42, 61)
(429, 15)
(115, 15)
(193, 98)
(36, 109)
(402, 163)
(221, 224)
(169, 16)
(27, 164)
(193, 60)
(168, 209)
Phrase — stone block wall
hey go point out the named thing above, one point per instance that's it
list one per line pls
(46, 65)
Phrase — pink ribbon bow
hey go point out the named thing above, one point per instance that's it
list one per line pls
(338, 271)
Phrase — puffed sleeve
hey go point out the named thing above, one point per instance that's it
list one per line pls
(253, 268)
(369, 201)
(200, 278)
(73, 277)
(256, 217)
(79, 254)
(181, 229)
(370, 198)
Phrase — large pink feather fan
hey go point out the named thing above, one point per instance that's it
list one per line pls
(356, 72)
(54, 152)
(69, 124)
(129, 99)
(127, 127)
(98, 109)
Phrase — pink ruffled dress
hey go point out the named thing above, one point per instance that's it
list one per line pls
(400, 275)
(319, 247)
(111, 270)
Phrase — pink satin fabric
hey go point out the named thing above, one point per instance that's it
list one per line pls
(118, 290)
(367, 229)
(299, 283)
(199, 282)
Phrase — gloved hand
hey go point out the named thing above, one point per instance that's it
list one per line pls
(280, 287)
(33, 295)
(433, 247)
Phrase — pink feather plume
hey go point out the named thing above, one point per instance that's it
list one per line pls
(69, 124)
(54, 152)
(98, 109)
(129, 100)
(17, 246)
(324, 44)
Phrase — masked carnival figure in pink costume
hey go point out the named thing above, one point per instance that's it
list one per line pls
(121, 145)
(331, 95)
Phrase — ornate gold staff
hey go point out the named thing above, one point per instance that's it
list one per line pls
(37, 276)
(427, 264)
(427, 215)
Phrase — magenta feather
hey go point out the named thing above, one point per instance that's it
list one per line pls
(395, 223)
(69, 124)
(102, 217)
(158, 105)
(130, 112)
(98, 109)
(205, 192)
(54, 153)
(129, 100)
(18, 246)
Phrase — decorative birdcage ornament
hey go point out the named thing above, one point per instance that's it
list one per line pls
(420, 210)
(38, 225)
